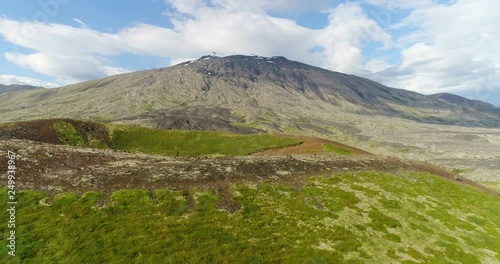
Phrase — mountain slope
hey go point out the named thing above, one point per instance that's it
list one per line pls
(464, 103)
(250, 86)
(16, 88)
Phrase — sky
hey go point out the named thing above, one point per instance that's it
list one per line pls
(426, 46)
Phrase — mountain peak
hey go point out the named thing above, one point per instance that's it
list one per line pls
(246, 70)
(238, 58)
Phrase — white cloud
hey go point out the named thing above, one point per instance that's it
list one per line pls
(401, 4)
(232, 26)
(80, 22)
(187, 6)
(376, 65)
(451, 49)
(295, 5)
(65, 53)
(60, 39)
(15, 79)
(349, 27)
(65, 69)
(421, 55)
(193, 7)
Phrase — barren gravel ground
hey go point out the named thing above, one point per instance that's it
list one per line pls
(475, 150)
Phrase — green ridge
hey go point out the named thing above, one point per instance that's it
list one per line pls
(336, 150)
(193, 143)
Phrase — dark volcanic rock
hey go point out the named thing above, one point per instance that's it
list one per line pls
(198, 118)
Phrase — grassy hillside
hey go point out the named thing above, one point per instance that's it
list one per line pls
(347, 218)
(193, 143)
(336, 150)
(492, 185)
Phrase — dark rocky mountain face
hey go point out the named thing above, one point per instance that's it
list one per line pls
(16, 88)
(268, 92)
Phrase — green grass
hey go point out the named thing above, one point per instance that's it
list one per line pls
(332, 219)
(492, 185)
(193, 143)
(460, 171)
(97, 118)
(404, 150)
(68, 134)
(94, 142)
(150, 106)
(337, 150)
(8, 125)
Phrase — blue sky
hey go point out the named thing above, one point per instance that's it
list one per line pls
(425, 46)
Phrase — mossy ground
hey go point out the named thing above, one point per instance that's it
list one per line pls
(69, 135)
(492, 185)
(460, 171)
(336, 150)
(193, 143)
(353, 218)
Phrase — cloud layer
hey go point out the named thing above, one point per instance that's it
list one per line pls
(450, 49)
(14, 79)
(440, 47)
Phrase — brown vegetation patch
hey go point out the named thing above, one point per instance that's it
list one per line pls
(43, 131)
(310, 145)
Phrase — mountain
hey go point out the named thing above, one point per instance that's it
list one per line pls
(271, 93)
(471, 105)
(16, 88)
